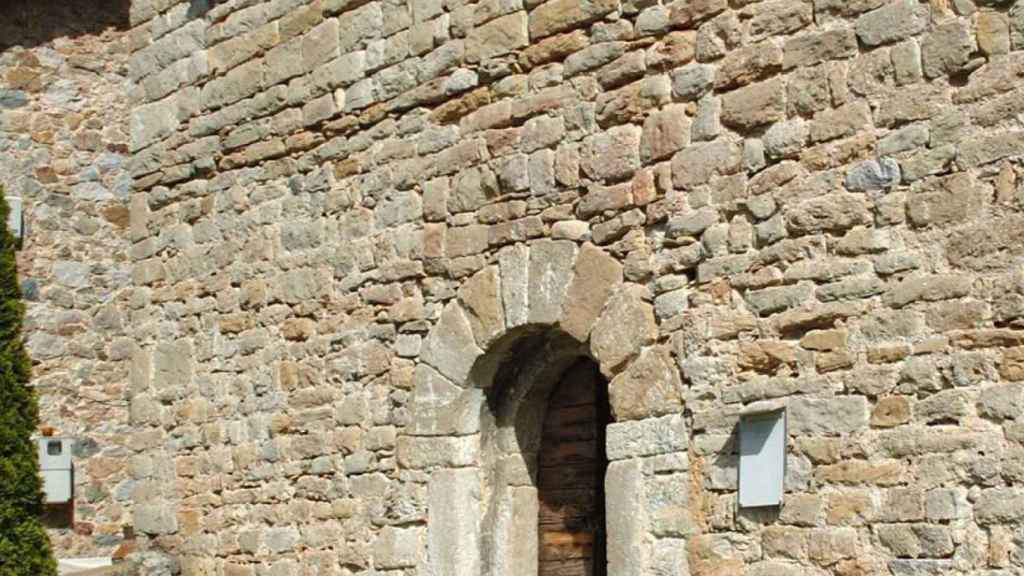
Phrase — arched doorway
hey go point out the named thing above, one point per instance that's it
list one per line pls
(487, 373)
(572, 463)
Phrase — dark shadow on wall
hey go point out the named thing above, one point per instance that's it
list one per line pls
(30, 23)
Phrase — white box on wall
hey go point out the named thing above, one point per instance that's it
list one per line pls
(15, 219)
(762, 469)
(57, 469)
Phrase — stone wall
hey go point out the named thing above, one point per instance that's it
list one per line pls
(64, 149)
(366, 232)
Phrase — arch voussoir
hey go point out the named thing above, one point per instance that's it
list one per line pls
(451, 346)
(481, 297)
(625, 326)
(595, 275)
(551, 268)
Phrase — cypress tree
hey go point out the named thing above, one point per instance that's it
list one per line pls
(24, 546)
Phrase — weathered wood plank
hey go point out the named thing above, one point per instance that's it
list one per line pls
(571, 475)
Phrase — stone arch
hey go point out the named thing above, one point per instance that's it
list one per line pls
(481, 385)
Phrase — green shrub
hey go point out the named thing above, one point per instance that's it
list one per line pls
(24, 545)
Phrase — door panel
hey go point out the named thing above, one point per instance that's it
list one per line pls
(572, 465)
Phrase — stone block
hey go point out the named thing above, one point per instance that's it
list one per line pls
(927, 288)
(481, 296)
(892, 22)
(946, 200)
(816, 47)
(989, 147)
(744, 65)
(776, 299)
(841, 122)
(155, 517)
(786, 139)
(153, 122)
(650, 437)
(947, 48)
(551, 268)
(1001, 401)
(514, 264)
(626, 324)
(698, 163)
(891, 411)
(665, 132)
(430, 452)
(557, 16)
(595, 275)
(833, 212)
(692, 81)
(396, 548)
(453, 522)
(440, 407)
(649, 387)
(684, 13)
(625, 519)
(497, 37)
(916, 540)
(834, 416)
(451, 347)
(613, 155)
(601, 199)
(869, 175)
(755, 105)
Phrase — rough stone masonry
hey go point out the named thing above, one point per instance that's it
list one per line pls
(365, 234)
(64, 149)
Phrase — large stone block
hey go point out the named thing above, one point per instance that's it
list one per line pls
(613, 155)
(650, 437)
(827, 416)
(453, 523)
(649, 387)
(947, 48)
(514, 264)
(928, 288)
(155, 517)
(451, 347)
(151, 123)
(987, 245)
(626, 324)
(560, 15)
(832, 212)
(497, 37)
(430, 452)
(551, 268)
(892, 22)
(398, 547)
(595, 275)
(441, 407)
(698, 163)
(625, 519)
(755, 105)
(481, 296)
(943, 201)
(665, 132)
(1002, 401)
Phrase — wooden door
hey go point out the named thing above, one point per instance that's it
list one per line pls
(572, 465)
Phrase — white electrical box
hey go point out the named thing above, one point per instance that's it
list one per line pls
(15, 220)
(762, 470)
(56, 468)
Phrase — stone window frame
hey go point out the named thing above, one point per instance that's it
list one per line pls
(480, 393)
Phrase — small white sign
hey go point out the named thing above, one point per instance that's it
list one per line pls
(762, 471)
(14, 218)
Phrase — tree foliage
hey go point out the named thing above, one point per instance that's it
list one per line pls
(24, 546)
